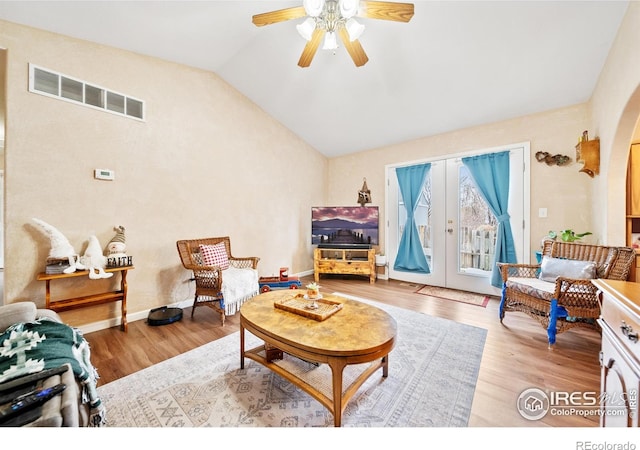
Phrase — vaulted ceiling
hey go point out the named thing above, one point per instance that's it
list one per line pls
(456, 64)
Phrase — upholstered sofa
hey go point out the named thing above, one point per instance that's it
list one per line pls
(558, 292)
(51, 344)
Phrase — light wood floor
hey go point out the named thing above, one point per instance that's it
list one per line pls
(515, 356)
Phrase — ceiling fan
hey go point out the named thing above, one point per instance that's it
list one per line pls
(330, 19)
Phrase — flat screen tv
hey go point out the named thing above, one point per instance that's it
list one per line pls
(344, 226)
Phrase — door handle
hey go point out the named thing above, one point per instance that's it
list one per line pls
(450, 230)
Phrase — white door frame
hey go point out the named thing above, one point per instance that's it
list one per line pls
(521, 231)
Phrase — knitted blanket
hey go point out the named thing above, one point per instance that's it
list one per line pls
(238, 286)
(43, 344)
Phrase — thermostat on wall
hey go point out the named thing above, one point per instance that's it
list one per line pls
(104, 174)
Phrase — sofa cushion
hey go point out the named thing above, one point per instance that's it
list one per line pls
(552, 268)
(215, 255)
(16, 313)
(49, 314)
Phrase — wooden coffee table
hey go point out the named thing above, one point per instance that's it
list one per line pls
(358, 333)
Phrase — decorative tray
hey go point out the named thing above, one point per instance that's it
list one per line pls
(300, 305)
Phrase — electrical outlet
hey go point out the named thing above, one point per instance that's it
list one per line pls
(542, 212)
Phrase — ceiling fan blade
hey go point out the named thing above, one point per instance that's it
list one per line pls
(280, 15)
(398, 12)
(310, 49)
(354, 48)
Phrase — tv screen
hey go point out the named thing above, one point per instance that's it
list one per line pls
(344, 226)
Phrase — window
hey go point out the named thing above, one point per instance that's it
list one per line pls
(52, 84)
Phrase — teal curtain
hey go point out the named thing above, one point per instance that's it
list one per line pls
(410, 257)
(490, 173)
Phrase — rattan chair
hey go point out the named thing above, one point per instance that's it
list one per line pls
(568, 302)
(210, 279)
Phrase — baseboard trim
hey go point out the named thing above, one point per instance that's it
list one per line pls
(142, 315)
(116, 321)
(305, 273)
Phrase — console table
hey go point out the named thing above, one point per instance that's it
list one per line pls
(67, 304)
(345, 262)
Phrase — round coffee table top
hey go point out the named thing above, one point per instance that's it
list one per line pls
(357, 329)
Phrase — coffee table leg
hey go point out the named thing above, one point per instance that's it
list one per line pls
(337, 367)
(241, 347)
(385, 366)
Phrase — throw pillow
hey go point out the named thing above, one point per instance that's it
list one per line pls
(552, 268)
(215, 255)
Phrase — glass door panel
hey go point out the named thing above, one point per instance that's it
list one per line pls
(457, 229)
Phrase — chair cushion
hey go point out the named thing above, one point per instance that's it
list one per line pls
(532, 287)
(552, 268)
(215, 255)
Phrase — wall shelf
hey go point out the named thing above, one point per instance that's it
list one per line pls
(588, 153)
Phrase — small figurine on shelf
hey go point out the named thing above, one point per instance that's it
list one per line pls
(94, 260)
(364, 194)
(62, 254)
(117, 247)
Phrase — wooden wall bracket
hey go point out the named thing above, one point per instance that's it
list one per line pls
(588, 153)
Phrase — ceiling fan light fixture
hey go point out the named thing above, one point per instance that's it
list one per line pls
(354, 28)
(313, 8)
(330, 41)
(324, 21)
(349, 8)
(305, 29)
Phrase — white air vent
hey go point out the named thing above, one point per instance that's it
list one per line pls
(53, 84)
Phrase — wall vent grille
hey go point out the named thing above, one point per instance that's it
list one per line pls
(53, 84)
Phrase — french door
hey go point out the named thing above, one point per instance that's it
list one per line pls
(456, 227)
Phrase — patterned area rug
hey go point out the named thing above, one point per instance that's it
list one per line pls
(470, 298)
(432, 376)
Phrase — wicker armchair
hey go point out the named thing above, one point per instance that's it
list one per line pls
(210, 279)
(567, 302)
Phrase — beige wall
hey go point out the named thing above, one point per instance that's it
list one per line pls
(616, 109)
(573, 199)
(562, 190)
(208, 162)
(205, 162)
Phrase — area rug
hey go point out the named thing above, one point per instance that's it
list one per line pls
(470, 298)
(433, 371)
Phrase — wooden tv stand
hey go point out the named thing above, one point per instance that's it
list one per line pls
(346, 261)
(67, 304)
